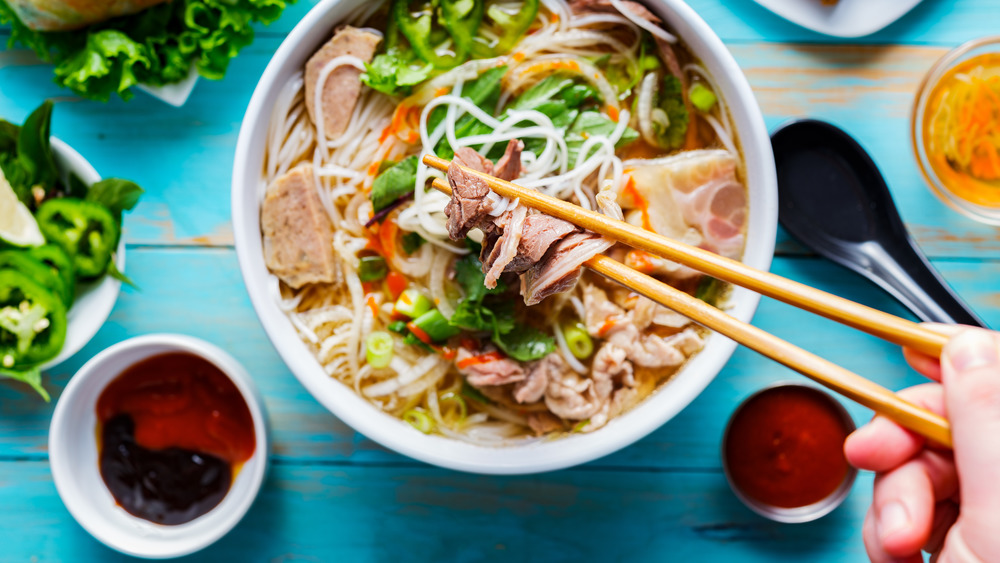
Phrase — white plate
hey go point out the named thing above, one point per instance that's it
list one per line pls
(174, 94)
(94, 300)
(846, 18)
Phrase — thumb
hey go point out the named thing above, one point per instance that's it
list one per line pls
(971, 376)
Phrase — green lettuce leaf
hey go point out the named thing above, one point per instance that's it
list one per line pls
(157, 46)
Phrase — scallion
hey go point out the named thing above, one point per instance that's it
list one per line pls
(372, 268)
(578, 341)
(378, 349)
(434, 325)
(459, 404)
(397, 327)
(702, 98)
(419, 419)
(412, 303)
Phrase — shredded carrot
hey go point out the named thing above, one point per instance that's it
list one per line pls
(369, 287)
(448, 353)
(373, 305)
(373, 168)
(374, 245)
(962, 129)
(413, 138)
(612, 112)
(396, 283)
(608, 325)
(640, 261)
(518, 56)
(640, 202)
(441, 91)
(387, 238)
(419, 333)
(480, 359)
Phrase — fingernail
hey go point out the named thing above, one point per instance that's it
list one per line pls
(972, 349)
(893, 518)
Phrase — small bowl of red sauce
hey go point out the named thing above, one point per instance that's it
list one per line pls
(783, 453)
(158, 445)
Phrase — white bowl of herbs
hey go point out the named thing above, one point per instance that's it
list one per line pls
(61, 250)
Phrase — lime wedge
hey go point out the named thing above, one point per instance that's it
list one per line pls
(17, 225)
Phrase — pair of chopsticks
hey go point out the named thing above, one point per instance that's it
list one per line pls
(877, 323)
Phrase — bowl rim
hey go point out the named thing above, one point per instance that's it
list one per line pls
(930, 80)
(446, 452)
(109, 288)
(63, 468)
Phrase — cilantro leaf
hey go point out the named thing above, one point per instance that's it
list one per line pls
(525, 343)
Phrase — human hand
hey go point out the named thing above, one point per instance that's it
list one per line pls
(946, 503)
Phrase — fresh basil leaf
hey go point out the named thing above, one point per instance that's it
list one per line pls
(484, 92)
(592, 124)
(8, 137)
(525, 343)
(469, 275)
(394, 183)
(33, 150)
(116, 194)
(543, 91)
(32, 376)
(412, 242)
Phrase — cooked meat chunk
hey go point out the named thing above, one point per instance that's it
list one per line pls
(575, 397)
(560, 268)
(610, 322)
(539, 234)
(542, 423)
(342, 87)
(533, 388)
(509, 166)
(611, 362)
(485, 369)
(505, 246)
(605, 6)
(297, 230)
(469, 207)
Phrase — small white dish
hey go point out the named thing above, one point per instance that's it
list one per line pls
(73, 455)
(175, 94)
(845, 18)
(95, 300)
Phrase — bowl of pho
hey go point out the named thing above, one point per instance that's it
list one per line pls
(463, 330)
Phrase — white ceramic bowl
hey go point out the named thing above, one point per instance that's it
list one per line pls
(392, 433)
(73, 455)
(94, 300)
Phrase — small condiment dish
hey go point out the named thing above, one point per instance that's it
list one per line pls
(94, 300)
(74, 455)
(949, 186)
(797, 514)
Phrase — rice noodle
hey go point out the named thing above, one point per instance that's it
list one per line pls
(335, 320)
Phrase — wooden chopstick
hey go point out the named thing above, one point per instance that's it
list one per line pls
(824, 372)
(877, 323)
(847, 383)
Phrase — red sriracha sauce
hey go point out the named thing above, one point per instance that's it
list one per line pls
(174, 432)
(784, 447)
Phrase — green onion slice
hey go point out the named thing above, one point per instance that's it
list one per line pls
(419, 419)
(578, 341)
(378, 349)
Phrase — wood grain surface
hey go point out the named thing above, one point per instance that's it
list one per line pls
(334, 495)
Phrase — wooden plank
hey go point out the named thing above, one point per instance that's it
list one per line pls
(184, 156)
(424, 514)
(200, 292)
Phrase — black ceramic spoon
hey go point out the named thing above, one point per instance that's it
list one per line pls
(834, 200)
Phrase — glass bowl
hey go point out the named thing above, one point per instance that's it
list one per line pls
(985, 212)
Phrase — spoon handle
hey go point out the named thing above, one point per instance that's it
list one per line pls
(909, 277)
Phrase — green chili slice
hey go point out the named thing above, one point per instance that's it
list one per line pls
(32, 321)
(86, 230)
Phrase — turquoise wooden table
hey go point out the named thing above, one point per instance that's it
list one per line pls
(334, 495)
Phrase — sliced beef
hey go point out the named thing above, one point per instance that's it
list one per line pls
(532, 389)
(559, 269)
(542, 423)
(491, 370)
(297, 231)
(606, 7)
(469, 207)
(505, 246)
(342, 87)
(539, 234)
(509, 166)
(573, 396)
